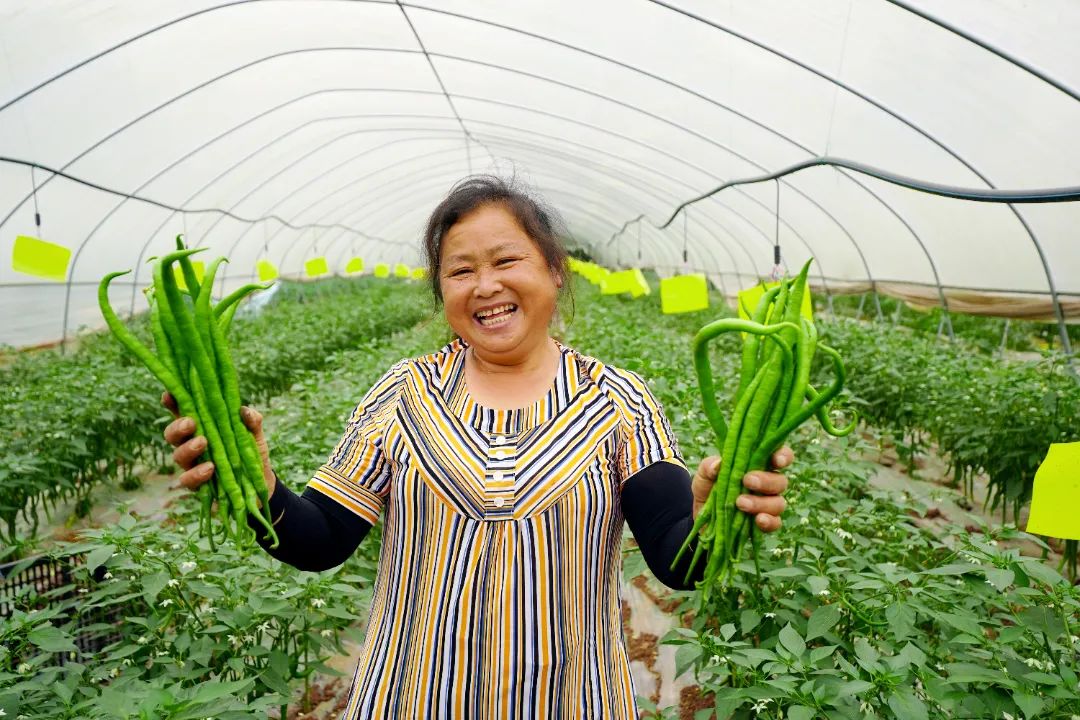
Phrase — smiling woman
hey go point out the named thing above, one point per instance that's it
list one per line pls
(503, 466)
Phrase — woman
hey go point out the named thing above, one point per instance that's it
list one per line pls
(503, 466)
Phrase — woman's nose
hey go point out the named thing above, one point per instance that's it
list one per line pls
(487, 283)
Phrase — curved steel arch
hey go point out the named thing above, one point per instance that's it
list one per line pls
(397, 162)
(323, 146)
(189, 91)
(577, 161)
(225, 172)
(920, 130)
(746, 39)
(299, 51)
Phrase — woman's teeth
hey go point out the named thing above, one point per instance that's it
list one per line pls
(495, 316)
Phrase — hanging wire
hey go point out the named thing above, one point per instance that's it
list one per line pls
(639, 242)
(685, 241)
(37, 213)
(776, 269)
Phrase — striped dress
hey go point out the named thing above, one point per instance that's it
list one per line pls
(497, 595)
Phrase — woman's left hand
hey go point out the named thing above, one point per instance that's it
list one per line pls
(766, 504)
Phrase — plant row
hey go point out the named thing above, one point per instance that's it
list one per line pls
(986, 416)
(204, 633)
(861, 609)
(72, 422)
(984, 333)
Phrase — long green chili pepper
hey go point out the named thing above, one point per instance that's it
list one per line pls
(236, 296)
(826, 421)
(191, 280)
(207, 376)
(773, 398)
(254, 486)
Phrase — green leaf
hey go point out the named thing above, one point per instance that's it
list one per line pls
(1041, 619)
(748, 620)
(800, 712)
(1000, 578)
(954, 569)
(1030, 705)
(906, 705)
(152, 585)
(962, 623)
(98, 556)
(792, 641)
(820, 653)
(787, 572)
(51, 639)
(823, 619)
(214, 689)
(971, 673)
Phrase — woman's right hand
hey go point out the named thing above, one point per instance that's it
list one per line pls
(189, 448)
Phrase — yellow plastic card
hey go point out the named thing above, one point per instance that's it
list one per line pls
(638, 284)
(418, 273)
(1056, 494)
(40, 258)
(198, 265)
(748, 300)
(401, 270)
(382, 270)
(684, 293)
(266, 270)
(355, 265)
(624, 281)
(316, 267)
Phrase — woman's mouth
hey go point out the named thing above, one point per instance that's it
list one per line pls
(498, 315)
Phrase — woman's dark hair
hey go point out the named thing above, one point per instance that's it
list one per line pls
(539, 221)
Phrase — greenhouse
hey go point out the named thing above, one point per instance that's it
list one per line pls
(366, 359)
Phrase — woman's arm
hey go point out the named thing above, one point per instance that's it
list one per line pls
(314, 532)
(658, 506)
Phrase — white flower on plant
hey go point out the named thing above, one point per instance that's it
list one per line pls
(23, 668)
(777, 551)
(175, 546)
(317, 602)
(115, 672)
(187, 566)
(760, 706)
(174, 583)
(770, 615)
(2, 712)
(249, 639)
(804, 521)
(83, 591)
(142, 640)
(166, 602)
(823, 593)
(264, 626)
(179, 662)
(843, 533)
(865, 707)
(201, 576)
(234, 640)
(327, 633)
(107, 575)
(126, 661)
(1006, 716)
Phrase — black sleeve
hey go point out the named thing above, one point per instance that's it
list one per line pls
(314, 532)
(658, 507)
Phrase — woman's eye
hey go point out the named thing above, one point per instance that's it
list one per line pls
(505, 261)
(459, 272)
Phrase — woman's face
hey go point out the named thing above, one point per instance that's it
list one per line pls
(498, 292)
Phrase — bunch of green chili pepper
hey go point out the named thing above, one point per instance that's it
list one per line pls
(194, 364)
(773, 398)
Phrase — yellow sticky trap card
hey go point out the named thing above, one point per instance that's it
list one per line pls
(266, 270)
(40, 258)
(418, 273)
(356, 265)
(197, 265)
(625, 281)
(316, 267)
(748, 300)
(401, 270)
(684, 293)
(382, 270)
(1056, 494)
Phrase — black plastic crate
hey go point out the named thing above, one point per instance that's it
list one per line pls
(46, 576)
